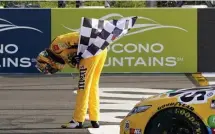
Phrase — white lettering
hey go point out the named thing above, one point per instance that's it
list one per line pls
(150, 61)
(131, 50)
(171, 61)
(159, 61)
(145, 55)
(25, 62)
(136, 48)
(159, 49)
(114, 50)
(3, 62)
(115, 60)
(13, 62)
(9, 48)
(140, 61)
(129, 60)
(142, 48)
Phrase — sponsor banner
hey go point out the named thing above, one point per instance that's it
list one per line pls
(24, 33)
(206, 44)
(161, 40)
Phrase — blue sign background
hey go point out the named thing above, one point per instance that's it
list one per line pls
(14, 29)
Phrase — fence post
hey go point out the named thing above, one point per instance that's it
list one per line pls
(107, 3)
(151, 3)
(79, 3)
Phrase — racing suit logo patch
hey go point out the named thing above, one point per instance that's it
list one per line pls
(135, 131)
(81, 83)
(56, 47)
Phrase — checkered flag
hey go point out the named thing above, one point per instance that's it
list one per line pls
(96, 35)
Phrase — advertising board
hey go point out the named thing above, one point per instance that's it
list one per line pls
(23, 34)
(161, 40)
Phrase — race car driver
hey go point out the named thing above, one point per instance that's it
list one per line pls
(62, 51)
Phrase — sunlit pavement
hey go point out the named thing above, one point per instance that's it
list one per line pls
(42, 104)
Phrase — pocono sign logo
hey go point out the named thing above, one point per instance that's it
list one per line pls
(9, 50)
(132, 48)
(144, 27)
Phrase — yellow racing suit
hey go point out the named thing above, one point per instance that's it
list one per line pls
(64, 47)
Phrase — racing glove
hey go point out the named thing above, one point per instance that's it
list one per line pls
(74, 59)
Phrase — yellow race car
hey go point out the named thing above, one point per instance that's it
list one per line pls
(183, 111)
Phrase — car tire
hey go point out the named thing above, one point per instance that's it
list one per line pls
(175, 120)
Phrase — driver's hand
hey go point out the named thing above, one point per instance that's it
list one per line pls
(74, 59)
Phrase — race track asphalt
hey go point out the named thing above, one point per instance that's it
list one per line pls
(35, 104)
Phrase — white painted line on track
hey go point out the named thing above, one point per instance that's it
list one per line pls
(208, 75)
(143, 90)
(123, 95)
(117, 106)
(211, 82)
(106, 129)
(118, 102)
(147, 92)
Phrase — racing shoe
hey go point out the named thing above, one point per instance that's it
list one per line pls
(95, 124)
(73, 125)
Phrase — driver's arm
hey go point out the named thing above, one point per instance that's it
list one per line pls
(65, 46)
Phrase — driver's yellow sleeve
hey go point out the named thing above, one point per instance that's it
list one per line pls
(88, 94)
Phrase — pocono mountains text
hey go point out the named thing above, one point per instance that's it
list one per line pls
(146, 55)
(8, 58)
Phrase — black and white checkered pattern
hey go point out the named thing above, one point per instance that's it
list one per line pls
(96, 35)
